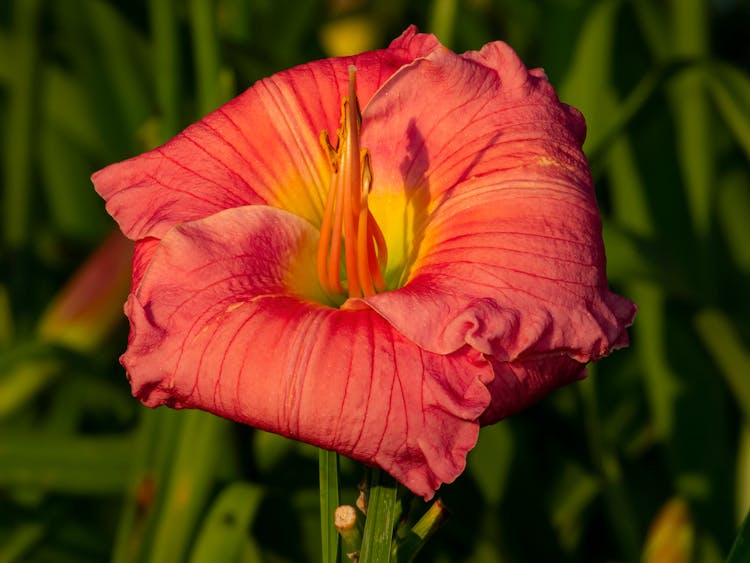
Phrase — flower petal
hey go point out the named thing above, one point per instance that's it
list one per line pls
(260, 148)
(144, 250)
(507, 253)
(488, 113)
(523, 382)
(216, 324)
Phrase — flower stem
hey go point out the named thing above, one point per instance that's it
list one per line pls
(206, 53)
(615, 492)
(164, 24)
(406, 549)
(382, 511)
(349, 526)
(20, 128)
(328, 470)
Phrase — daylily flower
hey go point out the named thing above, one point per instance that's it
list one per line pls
(87, 309)
(434, 266)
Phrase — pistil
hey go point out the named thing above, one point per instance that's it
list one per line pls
(347, 220)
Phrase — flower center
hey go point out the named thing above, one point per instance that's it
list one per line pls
(347, 221)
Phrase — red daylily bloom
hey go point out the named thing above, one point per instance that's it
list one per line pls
(87, 309)
(261, 287)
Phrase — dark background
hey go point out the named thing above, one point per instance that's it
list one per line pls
(651, 452)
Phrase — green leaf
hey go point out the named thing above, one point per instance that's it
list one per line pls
(653, 23)
(6, 322)
(575, 490)
(68, 141)
(741, 549)
(328, 465)
(733, 210)
(206, 55)
(408, 547)
(630, 202)
(123, 67)
(223, 538)
(693, 125)
(613, 485)
(76, 209)
(382, 511)
(269, 450)
(590, 73)
(152, 455)
(91, 39)
(730, 89)
(20, 383)
(69, 464)
(490, 461)
(66, 109)
(619, 116)
(743, 470)
(632, 256)
(19, 130)
(661, 382)
(5, 62)
(165, 59)
(194, 467)
(443, 20)
(23, 539)
(725, 345)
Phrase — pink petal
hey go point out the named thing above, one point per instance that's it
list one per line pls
(447, 118)
(523, 382)
(144, 250)
(217, 325)
(260, 148)
(507, 250)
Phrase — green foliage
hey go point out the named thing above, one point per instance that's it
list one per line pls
(86, 474)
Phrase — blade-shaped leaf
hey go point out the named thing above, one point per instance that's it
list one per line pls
(328, 463)
(224, 537)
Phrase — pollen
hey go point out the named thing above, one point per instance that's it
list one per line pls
(352, 253)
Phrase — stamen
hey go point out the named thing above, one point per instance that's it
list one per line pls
(347, 215)
(363, 250)
(326, 227)
(335, 253)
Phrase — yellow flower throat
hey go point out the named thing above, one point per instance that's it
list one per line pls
(347, 216)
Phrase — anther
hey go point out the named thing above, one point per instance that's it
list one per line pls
(347, 219)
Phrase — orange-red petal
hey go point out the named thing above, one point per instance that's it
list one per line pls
(486, 205)
(217, 325)
(506, 254)
(260, 148)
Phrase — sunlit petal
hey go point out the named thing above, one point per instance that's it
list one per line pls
(217, 324)
(260, 148)
(461, 207)
(505, 244)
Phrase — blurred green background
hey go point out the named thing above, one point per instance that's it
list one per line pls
(649, 458)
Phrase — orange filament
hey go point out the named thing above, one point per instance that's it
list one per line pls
(347, 220)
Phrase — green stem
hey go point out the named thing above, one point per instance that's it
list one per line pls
(405, 550)
(189, 482)
(350, 527)
(443, 19)
(328, 469)
(608, 467)
(206, 53)
(153, 449)
(166, 65)
(19, 131)
(382, 512)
